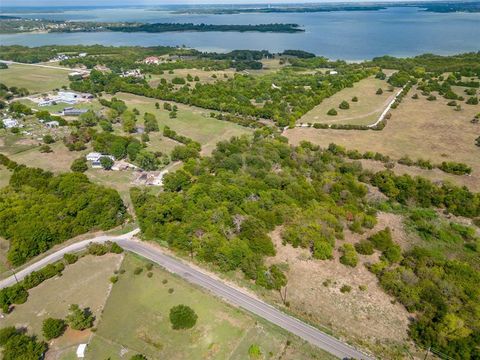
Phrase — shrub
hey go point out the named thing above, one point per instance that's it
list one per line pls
(362, 287)
(164, 281)
(254, 351)
(355, 99)
(170, 291)
(138, 270)
(431, 98)
(79, 319)
(415, 96)
(48, 139)
(382, 240)
(472, 101)
(149, 266)
(344, 105)
(332, 112)
(115, 248)
(349, 257)
(70, 258)
(345, 289)
(97, 249)
(452, 103)
(364, 247)
(182, 317)
(139, 357)
(379, 91)
(114, 279)
(53, 328)
(45, 149)
(149, 274)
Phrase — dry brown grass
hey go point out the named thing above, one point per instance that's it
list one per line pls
(365, 111)
(418, 128)
(368, 317)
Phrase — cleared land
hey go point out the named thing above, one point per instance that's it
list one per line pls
(418, 128)
(370, 317)
(135, 319)
(206, 77)
(85, 283)
(35, 79)
(364, 112)
(192, 122)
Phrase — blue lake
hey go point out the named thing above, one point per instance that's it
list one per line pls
(350, 35)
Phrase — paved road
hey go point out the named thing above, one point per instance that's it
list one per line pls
(59, 255)
(217, 287)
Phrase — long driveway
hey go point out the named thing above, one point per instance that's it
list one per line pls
(217, 287)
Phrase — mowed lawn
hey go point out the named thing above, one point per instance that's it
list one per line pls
(364, 112)
(191, 122)
(34, 78)
(418, 128)
(85, 283)
(136, 320)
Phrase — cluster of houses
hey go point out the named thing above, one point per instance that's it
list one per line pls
(61, 57)
(132, 73)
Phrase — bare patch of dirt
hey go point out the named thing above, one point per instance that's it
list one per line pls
(368, 316)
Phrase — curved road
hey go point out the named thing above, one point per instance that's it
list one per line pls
(217, 287)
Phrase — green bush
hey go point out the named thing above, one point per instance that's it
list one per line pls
(70, 258)
(345, 289)
(79, 319)
(182, 317)
(332, 112)
(53, 328)
(349, 257)
(344, 105)
(138, 270)
(364, 247)
(379, 91)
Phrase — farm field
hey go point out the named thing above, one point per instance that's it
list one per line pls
(85, 283)
(364, 112)
(34, 78)
(418, 128)
(135, 320)
(191, 122)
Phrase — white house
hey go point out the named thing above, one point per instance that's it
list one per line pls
(10, 123)
(67, 97)
(52, 124)
(152, 60)
(81, 351)
(333, 72)
(94, 156)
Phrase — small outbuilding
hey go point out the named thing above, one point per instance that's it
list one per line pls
(81, 351)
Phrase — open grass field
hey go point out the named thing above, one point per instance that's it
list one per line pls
(85, 283)
(418, 128)
(364, 112)
(191, 121)
(135, 319)
(206, 77)
(59, 160)
(34, 78)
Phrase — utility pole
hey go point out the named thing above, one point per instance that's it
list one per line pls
(426, 355)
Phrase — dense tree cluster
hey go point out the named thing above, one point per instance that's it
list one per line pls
(38, 210)
(16, 345)
(286, 95)
(221, 209)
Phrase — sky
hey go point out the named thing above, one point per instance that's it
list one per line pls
(162, 2)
